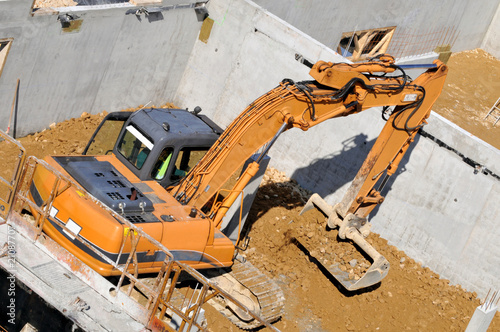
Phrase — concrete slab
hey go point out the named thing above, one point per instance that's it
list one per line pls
(62, 289)
(116, 60)
(490, 42)
(464, 142)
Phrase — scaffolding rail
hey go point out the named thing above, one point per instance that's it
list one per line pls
(494, 112)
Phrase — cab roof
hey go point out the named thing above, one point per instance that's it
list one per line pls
(156, 121)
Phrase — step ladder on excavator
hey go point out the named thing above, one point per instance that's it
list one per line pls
(494, 112)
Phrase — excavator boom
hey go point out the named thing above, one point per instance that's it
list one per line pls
(337, 90)
(309, 103)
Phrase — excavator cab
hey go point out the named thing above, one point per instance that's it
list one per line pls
(155, 144)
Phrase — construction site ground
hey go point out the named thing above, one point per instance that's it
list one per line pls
(410, 298)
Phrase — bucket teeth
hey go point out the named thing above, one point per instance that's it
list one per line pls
(377, 271)
(350, 227)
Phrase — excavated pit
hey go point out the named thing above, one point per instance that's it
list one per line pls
(411, 297)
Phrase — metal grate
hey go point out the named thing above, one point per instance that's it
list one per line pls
(135, 218)
(115, 196)
(116, 184)
(412, 41)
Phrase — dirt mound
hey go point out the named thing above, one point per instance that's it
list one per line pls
(54, 3)
(471, 88)
(70, 136)
(411, 297)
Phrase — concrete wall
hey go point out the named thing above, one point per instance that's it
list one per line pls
(491, 42)
(217, 76)
(437, 210)
(443, 213)
(116, 60)
(326, 20)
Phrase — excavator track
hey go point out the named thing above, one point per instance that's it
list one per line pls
(269, 296)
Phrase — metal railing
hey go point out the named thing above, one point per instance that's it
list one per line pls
(8, 186)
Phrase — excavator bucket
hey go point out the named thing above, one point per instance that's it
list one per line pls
(351, 227)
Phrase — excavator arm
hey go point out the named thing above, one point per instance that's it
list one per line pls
(337, 90)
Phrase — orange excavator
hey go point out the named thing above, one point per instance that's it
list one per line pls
(152, 176)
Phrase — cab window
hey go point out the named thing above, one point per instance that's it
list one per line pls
(186, 160)
(161, 165)
(106, 135)
(135, 146)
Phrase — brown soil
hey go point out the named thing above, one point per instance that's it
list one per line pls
(411, 297)
(67, 137)
(54, 3)
(472, 87)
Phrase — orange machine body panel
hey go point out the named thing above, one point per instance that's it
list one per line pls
(192, 240)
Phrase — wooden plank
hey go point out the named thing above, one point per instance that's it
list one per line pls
(4, 52)
(383, 44)
(206, 29)
(367, 37)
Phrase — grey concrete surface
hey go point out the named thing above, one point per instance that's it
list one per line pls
(217, 76)
(464, 142)
(444, 215)
(116, 60)
(491, 42)
(421, 59)
(326, 20)
(437, 209)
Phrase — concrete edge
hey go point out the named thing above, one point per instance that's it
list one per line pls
(464, 142)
